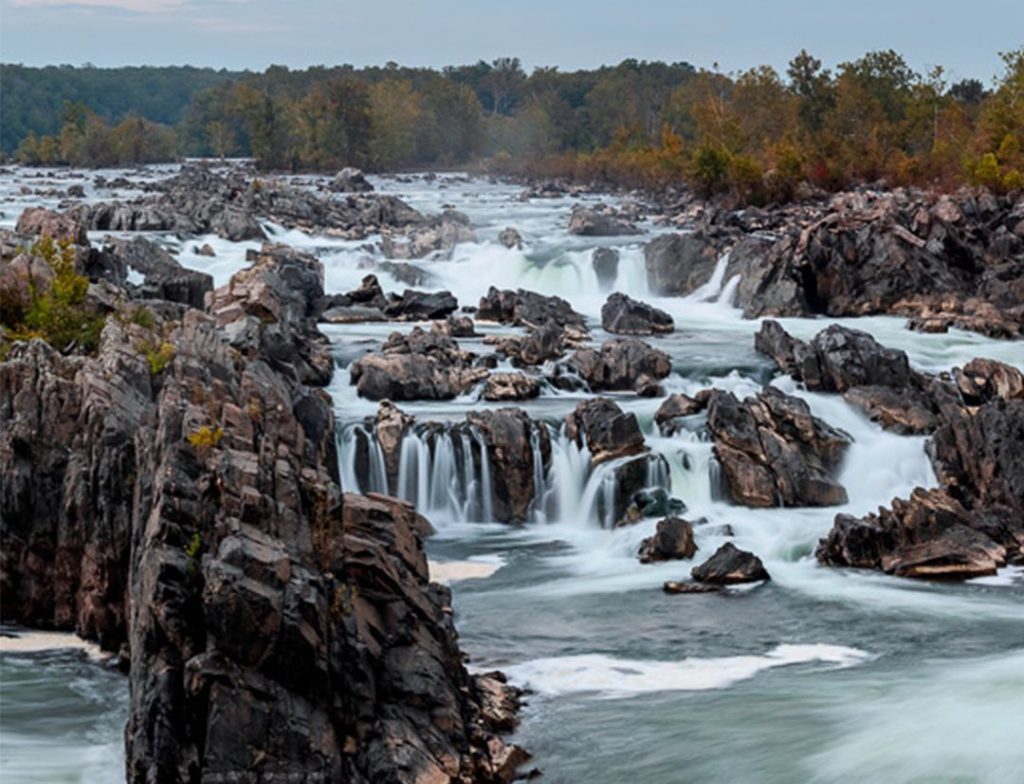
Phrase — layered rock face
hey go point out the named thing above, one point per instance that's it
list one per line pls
(774, 453)
(177, 496)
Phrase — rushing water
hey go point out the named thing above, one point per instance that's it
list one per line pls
(820, 675)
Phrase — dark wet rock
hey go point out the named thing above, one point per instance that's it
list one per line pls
(460, 327)
(389, 428)
(350, 180)
(774, 453)
(676, 587)
(650, 502)
(620, 364)
(730, 566)
(939, 261)
(76, 192)
(276, 630)
(511, 238)
(511, 386)
(509, 435)
(623, 315)
(982, 380)
(409, 274)
(605, 429)
(165, 278)
(675, 408)
(369, 294)
(634, 483)
(876, 379)
(413, 305)
(352, 314)
(600, 221)
(205, 250)
(606, 266)
(41, 222)
(968, 527)
(679, 264)
(528, 309)
(418, 366)
(437, 234)
(673, 540)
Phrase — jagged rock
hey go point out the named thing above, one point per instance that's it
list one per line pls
(369, 294)
(408, 274)
(874, 378)
(675, 587)
(437, 234)
(418, 366)
(620, 364)
(350, 180)
(511, 386)
(544, 343)
(649, 502)
(599, 222)
(673, 540)
(41, 222)
(461, 327)
(730, 566)
(606, 431)
(421, 305)
(677, 406)
(623, 315)
(165, 278)
(508, 434)
(511, 238)
(679, 264)
(527, 308)
(982, 380)
(297, 632)
(606, 266)
(389, 428)
(352, 314)
(773, 452)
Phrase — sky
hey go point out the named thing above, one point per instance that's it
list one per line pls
(963, 36)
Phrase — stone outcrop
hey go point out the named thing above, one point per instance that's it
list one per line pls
(774, 453)
(525, 308)
(419, 366)
(730, 566)
(511, 238)
(435, 235)
(605, 262)
(509, 434)
(676, 407)
(943, 260)
(673, 540)
(970, 526)
(276, 630)
(606, 431)
(621, 364)
(350, 180)
(510, 386)
(679, 264)
(600, 221)
(623, 315)
(876, 379)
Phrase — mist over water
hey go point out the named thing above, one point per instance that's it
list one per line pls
(820, 675)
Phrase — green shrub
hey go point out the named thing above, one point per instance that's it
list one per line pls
(158, 356)
(205, 437)
(58, 315)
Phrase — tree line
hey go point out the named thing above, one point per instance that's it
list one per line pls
(757, 134)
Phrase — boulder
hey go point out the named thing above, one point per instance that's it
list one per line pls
(511, 238)
(623, 315)
(621, 364)
(773, 452)
(350, 180)
(41, 222)
(605, 262)
(418, 366)
(509, 435)
(164, 277)
(389, 429)
(730, 566)
(413, 305)
(673, 540)
(527, 309)
(982, 380)
(600, 221)
(511, 386)
(675, 408)
(605, 429)
(679, 264)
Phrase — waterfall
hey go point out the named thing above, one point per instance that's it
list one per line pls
(713, 288)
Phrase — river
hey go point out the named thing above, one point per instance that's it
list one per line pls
(821, 675)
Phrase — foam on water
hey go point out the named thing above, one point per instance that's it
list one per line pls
(611, 677)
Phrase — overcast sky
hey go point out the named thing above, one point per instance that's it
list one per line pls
(963, 36)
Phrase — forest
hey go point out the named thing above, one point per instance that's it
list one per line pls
(755, 135)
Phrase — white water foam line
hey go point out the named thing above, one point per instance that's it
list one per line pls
(29, 641)
(617, 678)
